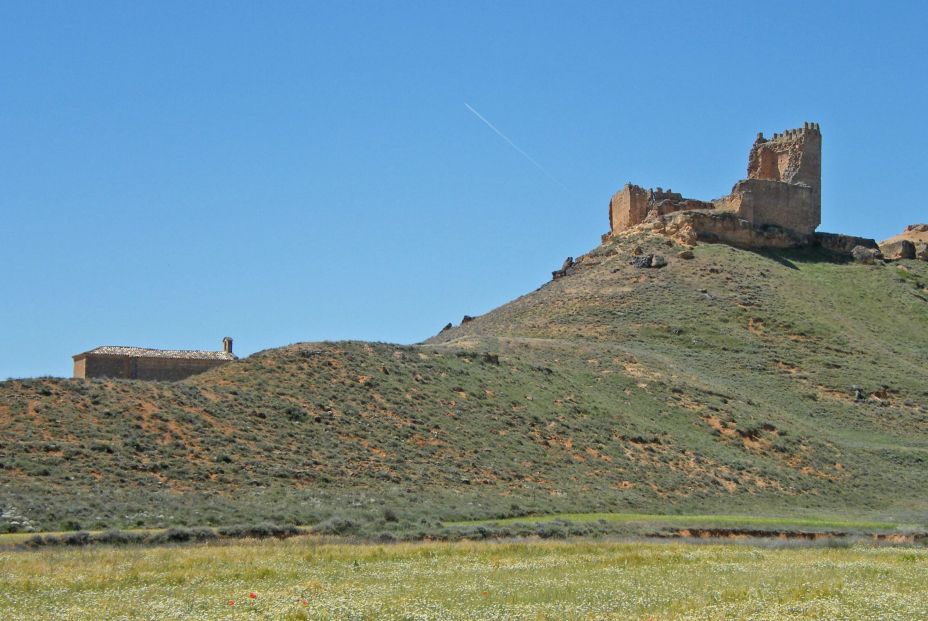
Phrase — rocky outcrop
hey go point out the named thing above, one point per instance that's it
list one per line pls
(899, 249)
(566, 269)
(866, 255)
(648, 260)
(912, 243)
(843, 244)
(690, 227)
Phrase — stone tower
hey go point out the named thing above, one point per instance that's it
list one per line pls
(784, 184)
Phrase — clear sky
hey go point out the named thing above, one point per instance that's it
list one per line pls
(174, 172)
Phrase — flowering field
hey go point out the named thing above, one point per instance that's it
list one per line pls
(304, 579)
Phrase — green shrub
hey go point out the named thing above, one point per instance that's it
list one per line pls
(260, 531)
(296, 414)
(337, 526)
(80, 538)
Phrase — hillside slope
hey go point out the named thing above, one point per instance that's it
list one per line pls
(781, 383)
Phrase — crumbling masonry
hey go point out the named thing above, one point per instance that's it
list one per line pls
(782, 192)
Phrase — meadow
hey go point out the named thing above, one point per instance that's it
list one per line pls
(308, 578)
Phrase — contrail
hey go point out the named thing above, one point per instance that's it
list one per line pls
(515, 146)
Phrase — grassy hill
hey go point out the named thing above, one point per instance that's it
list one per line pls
(723, 383)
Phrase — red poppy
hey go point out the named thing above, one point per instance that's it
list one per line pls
(252, 595)
(305, 603)
(231, 602)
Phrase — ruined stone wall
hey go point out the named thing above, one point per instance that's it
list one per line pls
(632, 205)
(670, 205)
(843, 244)
(764, 202)
(628, 207)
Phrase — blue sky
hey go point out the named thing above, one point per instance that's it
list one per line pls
(173, 172)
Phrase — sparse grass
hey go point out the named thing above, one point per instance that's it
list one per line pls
(304, 579)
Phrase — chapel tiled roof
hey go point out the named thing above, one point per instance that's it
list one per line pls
(143, 352)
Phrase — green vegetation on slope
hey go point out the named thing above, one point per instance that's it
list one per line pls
(722, 384)
(299, 579)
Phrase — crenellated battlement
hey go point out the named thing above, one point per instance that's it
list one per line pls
(792, 134)
(661, 194)
(792, 157)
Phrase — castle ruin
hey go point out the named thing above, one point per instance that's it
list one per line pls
(782, 192)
